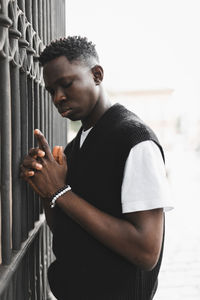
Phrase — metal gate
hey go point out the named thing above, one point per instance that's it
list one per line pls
(25, 28)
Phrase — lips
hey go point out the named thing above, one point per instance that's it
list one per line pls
(65, 111)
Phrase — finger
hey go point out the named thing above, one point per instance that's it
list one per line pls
(58, 154)
(26, 173)
(32, 184)
(61, 155)
(43, 144)
(36, 152)
(32, 164)
(55, 153)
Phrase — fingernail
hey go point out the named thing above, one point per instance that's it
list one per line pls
(31, 173)
(41, 153)
(38, 166)
(37, 131)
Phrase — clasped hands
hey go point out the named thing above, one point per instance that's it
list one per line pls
(43, 170)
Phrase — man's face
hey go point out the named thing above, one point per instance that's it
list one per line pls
(72, 87)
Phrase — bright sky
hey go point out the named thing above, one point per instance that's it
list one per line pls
(143, 44)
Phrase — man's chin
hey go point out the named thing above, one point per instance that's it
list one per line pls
(73, 118)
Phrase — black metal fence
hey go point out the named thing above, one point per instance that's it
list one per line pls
(25, 28)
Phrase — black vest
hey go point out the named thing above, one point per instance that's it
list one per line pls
(85, 268)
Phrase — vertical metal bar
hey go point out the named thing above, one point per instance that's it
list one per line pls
(45, 112)
(20, 282)
(15, 284)
(24, 149)
(41, 105)
(16, 157)
(41, 118)
(30, 113)
(47, 115)
(30, 145)
(21, 4)
(29, 282)
(28, 8)
(35, 14)
(5, 157)
(44, 22)
(43, 260)
(47, 22)
(51, 123)
(37, 265)
(49, 120)
(23, 290)
(36, 125)
(10, 291)
(50, 20)
(32, 272)
(53, 24)
(40, 23)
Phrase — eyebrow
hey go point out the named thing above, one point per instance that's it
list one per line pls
(58, 80)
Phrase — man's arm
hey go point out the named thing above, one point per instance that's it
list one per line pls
(137, 238)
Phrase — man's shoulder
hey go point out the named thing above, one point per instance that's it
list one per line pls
(130, 124)
(69, 146)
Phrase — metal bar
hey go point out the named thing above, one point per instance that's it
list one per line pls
(36, 125)
(10, 291)
(26, 277)
(28, 8)
(24, 150)
(38, 265)
(6, 272)
(30, 145)
(5, 158)
(16, 158)
(45, 114)
(20, 282)
(21, 4)
(44, 260)
(23, 273)
(47, 20)
(41, 105)
(44, 22)
(32, 272)
(15, 285)
(40, 23)
(35, 14)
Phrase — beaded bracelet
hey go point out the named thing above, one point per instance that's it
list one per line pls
(59, 193)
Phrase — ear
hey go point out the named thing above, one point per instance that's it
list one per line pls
(98, 73)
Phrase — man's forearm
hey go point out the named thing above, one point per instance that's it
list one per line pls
(49, 213)
(139, 243)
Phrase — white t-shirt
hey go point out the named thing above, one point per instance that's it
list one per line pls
(145, 184)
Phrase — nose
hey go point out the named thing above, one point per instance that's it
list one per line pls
(58, 96)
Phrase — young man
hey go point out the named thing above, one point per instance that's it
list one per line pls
(108, 188)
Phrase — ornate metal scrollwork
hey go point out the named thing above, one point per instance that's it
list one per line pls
(25, 27)
(23, 41)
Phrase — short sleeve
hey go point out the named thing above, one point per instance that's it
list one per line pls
(145, 185)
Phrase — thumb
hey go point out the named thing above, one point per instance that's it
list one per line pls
(59, 155)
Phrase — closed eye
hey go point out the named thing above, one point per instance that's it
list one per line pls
(67, 85)
(64, 85)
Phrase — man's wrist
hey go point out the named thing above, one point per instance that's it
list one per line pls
(58, 194)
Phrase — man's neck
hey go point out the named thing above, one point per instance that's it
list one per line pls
(100, 108)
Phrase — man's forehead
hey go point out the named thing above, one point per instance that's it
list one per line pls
(61, 63)
(61, 67)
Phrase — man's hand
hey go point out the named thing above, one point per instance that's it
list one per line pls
(44, 171)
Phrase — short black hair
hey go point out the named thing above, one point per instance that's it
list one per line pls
(73, 47)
